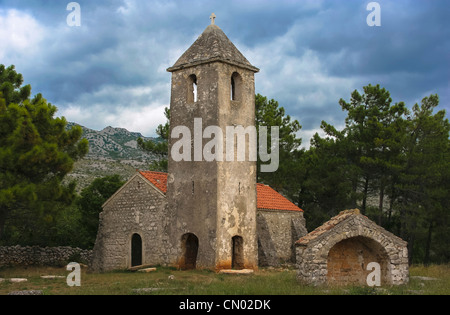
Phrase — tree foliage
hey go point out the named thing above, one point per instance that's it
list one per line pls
(36, 152)
(270, 114)
(90, 204)
(391, 163)
(424, 183)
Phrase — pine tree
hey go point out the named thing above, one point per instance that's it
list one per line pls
(424, 181)
(36, 152)
(375, 128)
(270, 114)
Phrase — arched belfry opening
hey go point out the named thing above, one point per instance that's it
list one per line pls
(192, 95)
(189, 247)
(136, 250)
(237, 252)
(236, 87)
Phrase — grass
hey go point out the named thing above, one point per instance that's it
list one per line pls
(168, 281)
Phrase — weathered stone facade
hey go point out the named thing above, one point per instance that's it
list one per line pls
(211, 213)
(339, 252)
(277, 231)
(214, 201)
(140, 209)
(205, 213)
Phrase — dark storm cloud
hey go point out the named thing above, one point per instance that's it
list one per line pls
(311, 53)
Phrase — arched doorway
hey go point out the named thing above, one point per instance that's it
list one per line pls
(189, 246)
(136, 250)
(348, 260)
(237, 256)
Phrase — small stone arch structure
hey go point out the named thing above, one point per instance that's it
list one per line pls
(339, 252)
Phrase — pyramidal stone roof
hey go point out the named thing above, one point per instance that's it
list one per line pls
(212, 45)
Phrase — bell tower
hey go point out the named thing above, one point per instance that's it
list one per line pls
(211, 191)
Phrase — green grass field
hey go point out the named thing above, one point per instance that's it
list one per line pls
(167, 281)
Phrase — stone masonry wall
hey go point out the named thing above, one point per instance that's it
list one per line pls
(339, 251)
(42, 256)
(277, 232)
(137, 208)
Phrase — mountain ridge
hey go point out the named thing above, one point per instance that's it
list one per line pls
(112, 150)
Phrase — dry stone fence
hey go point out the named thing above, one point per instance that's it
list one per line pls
(42, 256)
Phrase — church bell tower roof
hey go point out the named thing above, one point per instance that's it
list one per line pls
(212, 45)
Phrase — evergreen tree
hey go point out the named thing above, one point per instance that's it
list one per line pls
(90, 204)
(36, 152)
(374, 128)
(424, 182)
(270, 114)
(326, 177)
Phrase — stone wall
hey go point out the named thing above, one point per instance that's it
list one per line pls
(339, 252)
(42, 256)
(214, 200)
(348, 260)
(137, 208)
(277, 232)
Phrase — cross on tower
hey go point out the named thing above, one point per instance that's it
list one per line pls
(213, 19)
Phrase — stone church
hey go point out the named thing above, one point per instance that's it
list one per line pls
(213, 214)
(201, 214)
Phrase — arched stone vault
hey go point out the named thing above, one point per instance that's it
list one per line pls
(313, 251)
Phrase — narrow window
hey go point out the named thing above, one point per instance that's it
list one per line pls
(192, 96)
(194, 87)
(233, 89)
(236, 87)
(193, 187)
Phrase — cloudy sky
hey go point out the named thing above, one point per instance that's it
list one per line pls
(111, 70)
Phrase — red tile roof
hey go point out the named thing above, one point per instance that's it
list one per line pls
(266, 197)
(158, 179)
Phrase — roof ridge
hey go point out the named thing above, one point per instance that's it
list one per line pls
(153, 172)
